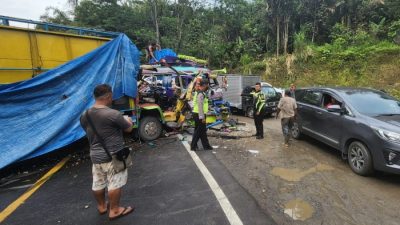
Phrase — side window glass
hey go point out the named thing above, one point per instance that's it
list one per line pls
(329, 100)
(299, 95)
(312, 98)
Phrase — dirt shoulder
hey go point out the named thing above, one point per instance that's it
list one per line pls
(307, 183)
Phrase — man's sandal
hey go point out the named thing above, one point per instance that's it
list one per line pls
(124, 212)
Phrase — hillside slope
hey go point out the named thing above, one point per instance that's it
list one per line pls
(376, 66)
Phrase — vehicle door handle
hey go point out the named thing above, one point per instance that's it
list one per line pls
(319, 112)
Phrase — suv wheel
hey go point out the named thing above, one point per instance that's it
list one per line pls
(250, 112)
(296, 134)
(360, 159)
(150, 128)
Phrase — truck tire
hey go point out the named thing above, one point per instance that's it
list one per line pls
(250, 112)
(150, 128)
(360, 159)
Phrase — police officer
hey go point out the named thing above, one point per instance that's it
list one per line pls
(200, 109)
(259, 107)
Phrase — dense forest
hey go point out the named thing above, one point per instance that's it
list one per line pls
(311, 42)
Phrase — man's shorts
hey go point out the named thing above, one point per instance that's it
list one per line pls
(104, 176)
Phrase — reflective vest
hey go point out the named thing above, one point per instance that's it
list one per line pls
(196, 106)
(259, 100)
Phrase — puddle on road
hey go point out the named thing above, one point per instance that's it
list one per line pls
(297, 174)
(298, 209)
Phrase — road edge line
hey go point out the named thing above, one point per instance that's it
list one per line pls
(224, 202)
(21, 200)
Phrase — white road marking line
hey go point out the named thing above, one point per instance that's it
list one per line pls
(226, 206)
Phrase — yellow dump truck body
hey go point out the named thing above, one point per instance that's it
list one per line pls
(25, 53)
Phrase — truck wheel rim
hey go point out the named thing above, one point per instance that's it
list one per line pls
(150, 128)
(357, 157)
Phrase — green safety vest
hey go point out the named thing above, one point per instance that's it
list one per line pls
(259, 98)
(196, 106)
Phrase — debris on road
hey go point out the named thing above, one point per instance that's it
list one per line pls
(253, 151)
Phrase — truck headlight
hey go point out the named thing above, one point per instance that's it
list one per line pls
(387, 135)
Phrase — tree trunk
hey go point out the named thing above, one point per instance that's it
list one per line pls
(286, 34)
(180, 35)
(277, 36)
(348, 21)
(157, 28)
(155, 19)
(181, 17)
(314, 27)
(177, 24)
(313, 32)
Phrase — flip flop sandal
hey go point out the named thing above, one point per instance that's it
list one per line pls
(126, 211)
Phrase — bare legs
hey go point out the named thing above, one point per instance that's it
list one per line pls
(114, 197)
(101, 202)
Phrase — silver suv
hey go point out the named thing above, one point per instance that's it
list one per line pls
(364, 124)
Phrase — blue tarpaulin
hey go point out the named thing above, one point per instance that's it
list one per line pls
(161, 54)
(42, 114)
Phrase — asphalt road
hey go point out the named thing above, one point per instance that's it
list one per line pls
(264, 183)
(165, 185)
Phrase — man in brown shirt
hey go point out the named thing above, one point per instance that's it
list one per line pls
(287, 108)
